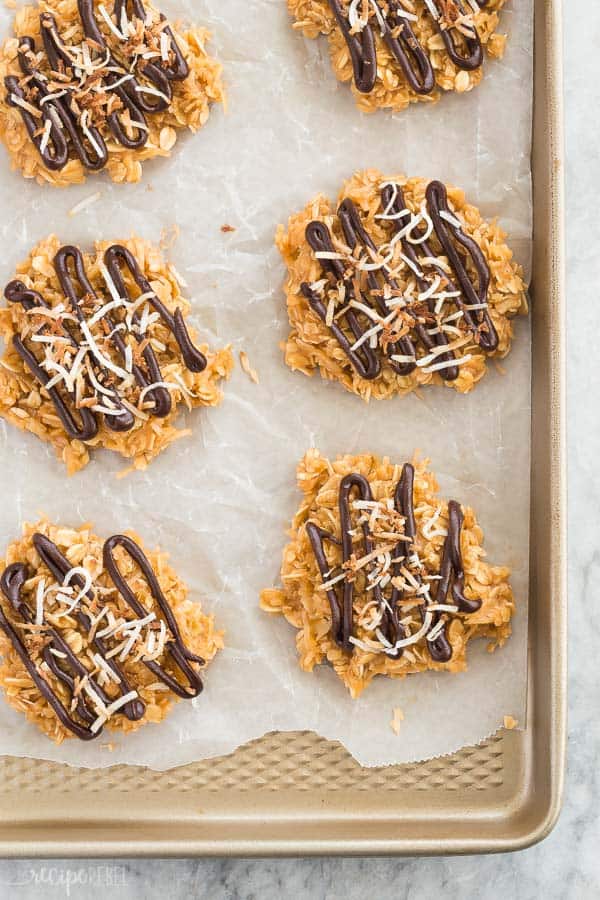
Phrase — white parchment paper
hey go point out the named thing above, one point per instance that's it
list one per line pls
(221, 500)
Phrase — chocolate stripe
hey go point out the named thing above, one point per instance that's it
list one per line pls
(176, 648)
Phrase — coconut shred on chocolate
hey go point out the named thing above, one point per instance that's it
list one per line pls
(396, 583)
(71, 96)
(154, 640)
(453, 19)
(93, 353)
(427, 325)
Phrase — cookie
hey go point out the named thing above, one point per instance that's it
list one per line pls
(99, 353)
(398, 52)
(97, 635)
(399, 284)
(86, 87)
(382, 576)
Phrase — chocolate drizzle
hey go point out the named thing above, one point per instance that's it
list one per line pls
(79, 716)
(456, 245)
(69, 132)
(366, 362)
(463, 47)
(176, 648)
(78, 421)
(395, 634)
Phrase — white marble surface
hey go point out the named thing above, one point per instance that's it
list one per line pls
(567, 864)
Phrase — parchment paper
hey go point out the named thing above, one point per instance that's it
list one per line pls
(221, 500)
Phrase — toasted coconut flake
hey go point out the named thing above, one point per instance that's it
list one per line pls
(85, 203)
(446, 365)
(397, 719)
(39, 602)
(452, 220)
(247, 368)
(32, 110)
(108, 19)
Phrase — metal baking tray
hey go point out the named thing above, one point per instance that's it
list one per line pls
(297, 794)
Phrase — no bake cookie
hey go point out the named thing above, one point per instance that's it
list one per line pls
(99, 353)
(382, 576)
(397, 52)
(86, 86)
(399, 284)
(96, 634)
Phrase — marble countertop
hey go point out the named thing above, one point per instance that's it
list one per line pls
(567, 864)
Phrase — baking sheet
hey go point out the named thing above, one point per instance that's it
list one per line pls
(221, 500)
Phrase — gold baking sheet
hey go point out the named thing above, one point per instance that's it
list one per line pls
(298, 794)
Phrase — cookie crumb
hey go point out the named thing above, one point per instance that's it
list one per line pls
(247, 368)
(397, 718)
(169, 236)
(178, 276)
(510, 722)
(227, 229)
